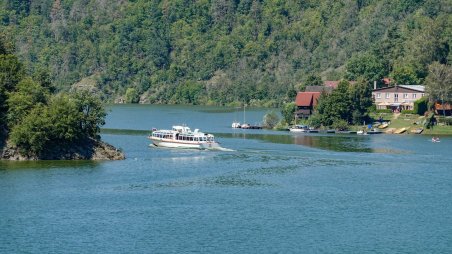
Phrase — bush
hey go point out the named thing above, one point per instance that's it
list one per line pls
(271, 119)
(445, 120)
(288, 112)
(421, 106)
(384, 111)
(408, 112)
(340, 125)
(315, 121)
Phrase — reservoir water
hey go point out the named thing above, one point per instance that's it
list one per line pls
(277, 192)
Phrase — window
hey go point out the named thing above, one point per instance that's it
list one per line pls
(405, 96)
(396, 97)
(422, 95)
(378, 95)
(414, 96)
(387, 95)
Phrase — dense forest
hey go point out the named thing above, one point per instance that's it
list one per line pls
(223, 52)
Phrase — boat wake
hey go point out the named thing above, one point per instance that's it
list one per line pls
(222, 149)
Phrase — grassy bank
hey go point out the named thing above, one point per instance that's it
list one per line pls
(411, 122)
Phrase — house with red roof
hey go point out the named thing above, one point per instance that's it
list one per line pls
(443, 109)
(305, 102)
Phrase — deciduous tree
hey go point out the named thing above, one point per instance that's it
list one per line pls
(439, 83)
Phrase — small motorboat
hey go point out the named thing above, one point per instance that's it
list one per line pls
(236, 125)
(400, 131)
(417, 130)
(299, 128)
(435, 140)
(382, 126)
(361, 132)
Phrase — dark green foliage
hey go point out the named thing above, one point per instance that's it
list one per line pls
(439, 83)
(372, 108)
(314, 80)
(335, 106)
(347, 103)
(10, 72)
(21, 7)
(288, 112)
(132, 95)
(33, 134)
(10, 75)
(92, 113)
(366, 66)
(383, 111)
(421, 106)
(408, 112)
(237, 51)
(189, 93)
(340, 125)
(27, 95)
(270, 120)
(36, 120)
(361, 99)
(404, 75)
(445, 120)
(67, 120)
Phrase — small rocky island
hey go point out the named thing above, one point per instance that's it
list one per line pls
(91, 150)
(39, 123)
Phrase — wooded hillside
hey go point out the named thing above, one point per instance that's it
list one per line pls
(221, 51)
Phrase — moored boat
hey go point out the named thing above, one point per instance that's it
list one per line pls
(384, 125)
(236, 125)
(400, 131)
(299, 128)
(374, 131)
(417, 131)
(183, 137)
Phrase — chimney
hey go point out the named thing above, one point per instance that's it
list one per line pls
(375, 84)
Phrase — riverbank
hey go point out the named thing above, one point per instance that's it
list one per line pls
(413, 122)
(89, 150)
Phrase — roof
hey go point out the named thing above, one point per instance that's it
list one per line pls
(414, 87)
(327, 89)
(335, 83)
(446, 106)
(330, 83)
(387, 81)
(403, 88)
(307, 98)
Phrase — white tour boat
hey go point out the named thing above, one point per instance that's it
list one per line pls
(183, 137)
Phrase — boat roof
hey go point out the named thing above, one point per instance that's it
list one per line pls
(185, 130)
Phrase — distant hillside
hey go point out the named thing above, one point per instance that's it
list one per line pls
(221, 51)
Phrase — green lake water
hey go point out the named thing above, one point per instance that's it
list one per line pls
(276, 192)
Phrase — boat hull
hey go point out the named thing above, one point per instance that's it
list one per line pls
(184, 145)
(297, 130)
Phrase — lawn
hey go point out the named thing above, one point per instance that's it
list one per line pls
(410, 121)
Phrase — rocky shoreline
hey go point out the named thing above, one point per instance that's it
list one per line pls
(89, 150)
